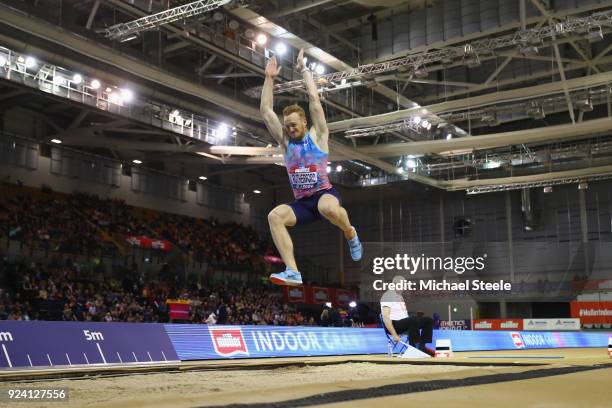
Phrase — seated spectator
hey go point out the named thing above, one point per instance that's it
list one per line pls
(397, 321)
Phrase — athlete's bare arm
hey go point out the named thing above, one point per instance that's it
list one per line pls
(317, 115)
(266, 106)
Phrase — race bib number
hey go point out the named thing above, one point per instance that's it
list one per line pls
(303, 178)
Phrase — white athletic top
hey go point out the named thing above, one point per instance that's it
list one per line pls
(395, 302)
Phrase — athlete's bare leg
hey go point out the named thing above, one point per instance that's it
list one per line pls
(330, 208)
(279, 219)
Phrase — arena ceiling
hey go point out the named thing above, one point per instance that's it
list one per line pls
(476, 95)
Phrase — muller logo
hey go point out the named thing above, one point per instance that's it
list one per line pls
(510, 324)
(517, 339)
(228, 342)
(483, 325)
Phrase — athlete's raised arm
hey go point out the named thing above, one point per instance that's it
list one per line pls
(266, 106)
(317, 115)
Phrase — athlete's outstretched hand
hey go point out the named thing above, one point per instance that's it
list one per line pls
(272, 68)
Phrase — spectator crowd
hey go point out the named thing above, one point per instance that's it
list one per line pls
(88, 225)
(69, 227)
(44, 221)
(74, 293)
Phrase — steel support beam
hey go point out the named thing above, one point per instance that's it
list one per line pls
(568, 98)
(508, 82)
(92, 14)
(472, 102)
(463, 184)
(464, 145)
(109, 56)
(149, 22)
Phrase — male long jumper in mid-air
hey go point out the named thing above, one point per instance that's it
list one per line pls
(306, 153)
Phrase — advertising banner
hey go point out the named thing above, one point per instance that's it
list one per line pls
(50, 344)
(195, 342)
(41, 343)
(200, 342)
(317, 295)
(343, 297)
(148, 243)
(320, 295)
(179, 309)
(455, 324)
(294, 294)
(497, 324)
(551, 324)
(592, 312)
(565, 324)
(273, 259)
(471, 340)
(536, 324)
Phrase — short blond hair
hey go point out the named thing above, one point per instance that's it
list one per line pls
(294, 109)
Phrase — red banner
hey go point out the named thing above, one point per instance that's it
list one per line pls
(317, 295)
(592, 312)
(273, 259)
(178, 310)
(497, 324)
(148, 243)
(295, 294)
(320, 295)
(343, 297)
